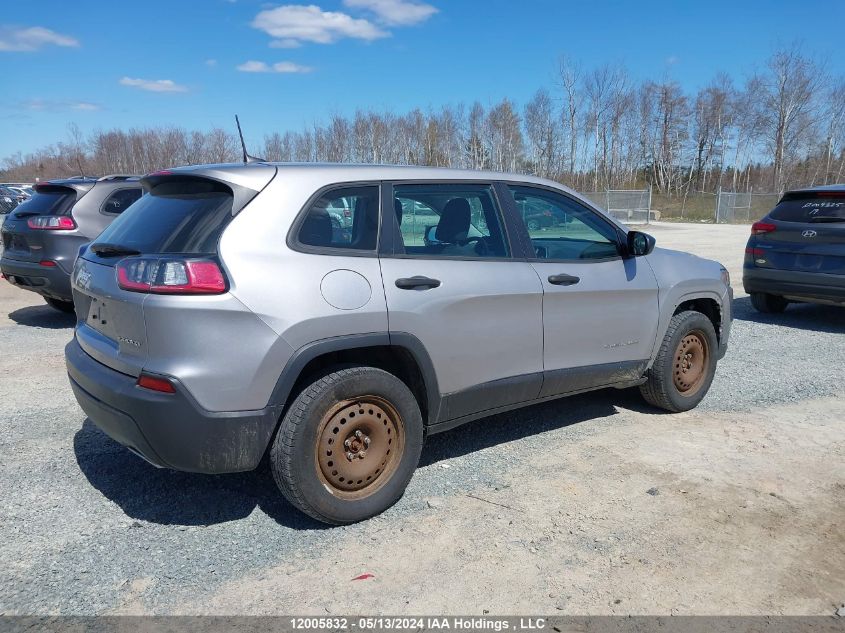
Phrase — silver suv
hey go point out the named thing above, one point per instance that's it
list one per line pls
(42, 236)
(226, 314)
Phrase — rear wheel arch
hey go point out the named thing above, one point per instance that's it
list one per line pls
(400, 354)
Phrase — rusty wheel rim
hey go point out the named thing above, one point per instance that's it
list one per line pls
(691, 360)
(359, 446)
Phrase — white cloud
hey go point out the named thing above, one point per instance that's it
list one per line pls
(153, 85)
(48, 105)
(285, 44)
(395, 12)
(295, 23)
(279, 67)
(32, 38)
(211, 63)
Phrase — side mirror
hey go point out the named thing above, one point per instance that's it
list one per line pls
(639, 243)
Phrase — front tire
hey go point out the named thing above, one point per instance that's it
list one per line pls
(58, 304)
(768, 304)
(685, 365)
(348, 445)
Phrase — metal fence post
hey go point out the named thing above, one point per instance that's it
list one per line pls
(718, 202)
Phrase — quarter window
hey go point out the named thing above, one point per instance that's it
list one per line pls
(120, 200)
(445, 220)
(343, 218)
(561, 228)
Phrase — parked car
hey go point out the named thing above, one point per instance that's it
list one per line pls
(221, 317)
(797, 252)
(8, 200)
(42, 236)
(540, 215)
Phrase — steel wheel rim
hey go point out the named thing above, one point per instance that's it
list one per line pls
(692, 358)
(360, 443)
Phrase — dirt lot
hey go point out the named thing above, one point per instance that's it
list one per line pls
(595, 504)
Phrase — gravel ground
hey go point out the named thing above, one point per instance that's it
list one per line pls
(595, 504)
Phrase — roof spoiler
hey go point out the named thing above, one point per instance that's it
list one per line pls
(118, 177)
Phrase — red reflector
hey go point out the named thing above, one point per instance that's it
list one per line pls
(755, 252)
(156, 384)
(47, 263)
(759, 228)
(51, 223)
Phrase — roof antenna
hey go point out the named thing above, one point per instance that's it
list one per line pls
(247, 158)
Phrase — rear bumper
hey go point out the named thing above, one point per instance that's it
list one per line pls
(799, 285)
(168, 430)
(48, 281)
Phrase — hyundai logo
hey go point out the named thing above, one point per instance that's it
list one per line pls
(809, 233)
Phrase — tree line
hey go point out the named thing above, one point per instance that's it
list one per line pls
(593, 128)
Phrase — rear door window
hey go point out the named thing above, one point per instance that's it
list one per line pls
(345, 218)
(815, 208)
(449, 220)
(49, 200)
(120, 200)
(182, 216)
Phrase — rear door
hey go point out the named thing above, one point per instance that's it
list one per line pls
(600, 311)
(451, 281)
(805, 232)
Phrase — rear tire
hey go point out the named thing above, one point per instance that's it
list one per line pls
(685, 365)
(768, 304)
(58, 304)
(348, 445)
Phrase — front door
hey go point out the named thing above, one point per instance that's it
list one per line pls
(599, 310)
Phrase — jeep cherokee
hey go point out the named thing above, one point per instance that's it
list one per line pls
(224, 315)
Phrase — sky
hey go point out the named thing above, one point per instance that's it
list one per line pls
(282, 66)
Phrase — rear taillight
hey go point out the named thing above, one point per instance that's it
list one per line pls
(51, 223)
(154, 383)
(759, 228)
(171, 276)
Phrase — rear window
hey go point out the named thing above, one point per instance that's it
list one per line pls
(810, 209)
(185, 217)
(49, 201)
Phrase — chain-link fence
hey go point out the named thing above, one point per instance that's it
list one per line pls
(629, 205)
(641, 206)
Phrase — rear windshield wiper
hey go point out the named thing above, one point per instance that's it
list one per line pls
(827, 218)
(113, 250)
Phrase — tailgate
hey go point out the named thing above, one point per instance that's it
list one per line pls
(110, 321)
(808, 235)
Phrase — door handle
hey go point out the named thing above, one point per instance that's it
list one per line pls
(409, 283)
(563, 280)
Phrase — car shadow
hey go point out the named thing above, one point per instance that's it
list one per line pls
(168, 497)
(525, 422)
(804, 316)
(43, 317)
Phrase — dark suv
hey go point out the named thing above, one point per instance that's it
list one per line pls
(797, 252)
(42, 236)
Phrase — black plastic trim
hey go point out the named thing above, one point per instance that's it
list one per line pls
(168, 430)
(573, 379)
(305, 354)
